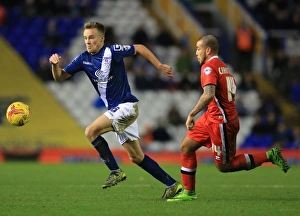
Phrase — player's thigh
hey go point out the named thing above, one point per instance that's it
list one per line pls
(189, 145)
(101, 125)
(134, 150)
(197, 137)
(223, 138)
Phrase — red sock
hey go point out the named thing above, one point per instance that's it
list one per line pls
(188, 170)
(248, 161)
(259, 159)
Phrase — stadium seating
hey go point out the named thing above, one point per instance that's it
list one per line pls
(26, 34)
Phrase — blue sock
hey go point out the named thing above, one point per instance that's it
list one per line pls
(150, 166)
(107, 157)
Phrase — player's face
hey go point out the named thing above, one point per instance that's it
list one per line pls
(93, 40)
(201, 52)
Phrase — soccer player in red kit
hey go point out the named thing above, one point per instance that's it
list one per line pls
(219, 125)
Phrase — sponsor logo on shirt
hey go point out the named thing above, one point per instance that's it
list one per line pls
(207, 70)
(102, 78)
(98, 73)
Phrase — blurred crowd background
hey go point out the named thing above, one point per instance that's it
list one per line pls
(267, 68)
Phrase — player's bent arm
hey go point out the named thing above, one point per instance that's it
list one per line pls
(59, 74)
(207, 96)
(146, 53)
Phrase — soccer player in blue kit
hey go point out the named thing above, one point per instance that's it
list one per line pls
(105, 68)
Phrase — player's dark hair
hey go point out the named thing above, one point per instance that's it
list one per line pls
(212, 42)
(90, 25)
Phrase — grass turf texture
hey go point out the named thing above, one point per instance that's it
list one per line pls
(75, 189)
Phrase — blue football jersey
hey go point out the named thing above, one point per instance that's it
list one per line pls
(107, 72)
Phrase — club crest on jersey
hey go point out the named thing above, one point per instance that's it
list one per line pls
(106, 59)
(207, 70)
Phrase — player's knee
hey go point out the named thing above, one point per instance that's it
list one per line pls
(224, 168)
(87, 131)
(185, 149)
(90, 133)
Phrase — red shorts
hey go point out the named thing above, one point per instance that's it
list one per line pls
(221, 138)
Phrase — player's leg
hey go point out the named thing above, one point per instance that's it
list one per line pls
(224, 148)
(116, 119)
(251, 161)
(138, 157)
(188, 170)
(227, 147)
(93, 132)
(100, 126)
(194, 139)
(126, 127)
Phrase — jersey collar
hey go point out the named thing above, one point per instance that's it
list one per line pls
(213, 57)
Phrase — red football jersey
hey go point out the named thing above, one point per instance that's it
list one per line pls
(222, 108)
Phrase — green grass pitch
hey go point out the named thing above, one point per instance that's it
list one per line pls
(75, 189)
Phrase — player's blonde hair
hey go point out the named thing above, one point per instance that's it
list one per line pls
(99, 26)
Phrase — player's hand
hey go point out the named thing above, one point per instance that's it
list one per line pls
(166, 70)
(54, 59)
(190, 122)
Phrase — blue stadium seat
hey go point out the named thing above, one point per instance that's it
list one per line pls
(258, 141)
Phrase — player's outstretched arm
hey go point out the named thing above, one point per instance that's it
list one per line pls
(146, 53)
(57, 73)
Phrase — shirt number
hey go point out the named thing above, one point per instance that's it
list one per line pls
(231, 87)
(216, 149)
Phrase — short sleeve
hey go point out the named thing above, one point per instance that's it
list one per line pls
(208, 76)
(121, 51)
(75, 66)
